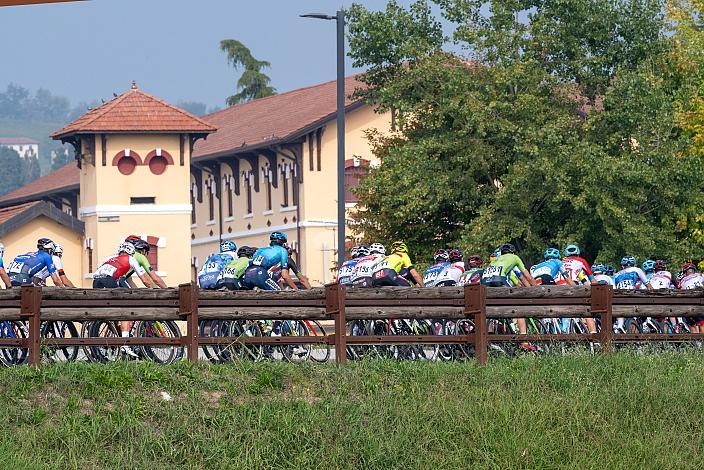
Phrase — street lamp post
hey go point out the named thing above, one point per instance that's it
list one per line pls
(340, 19)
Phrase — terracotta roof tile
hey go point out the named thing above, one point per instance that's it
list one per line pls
(272, 118)
(9, 212)
(63, 178)
(17, 141)
(135, 111)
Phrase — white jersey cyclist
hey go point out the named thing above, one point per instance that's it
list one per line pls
(661, 278)
(691, 279)
(451, 274)
(40, 277)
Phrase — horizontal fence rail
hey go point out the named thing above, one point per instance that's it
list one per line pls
(338, 307)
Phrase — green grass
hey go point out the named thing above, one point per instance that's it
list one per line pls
(617, 411)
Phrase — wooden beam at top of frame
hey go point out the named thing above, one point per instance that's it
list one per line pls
(12, 3)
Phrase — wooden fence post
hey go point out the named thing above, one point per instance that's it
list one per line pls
(602, 302)
(475, 305)
(188, 306)
(30, 306)
(335, 306)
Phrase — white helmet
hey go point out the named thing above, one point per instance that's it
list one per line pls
(50, 246)
(377, 248)
(59, 250)
(126, 247)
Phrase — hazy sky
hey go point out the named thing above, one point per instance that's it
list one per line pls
(88, 50)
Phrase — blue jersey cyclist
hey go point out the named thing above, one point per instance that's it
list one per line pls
(268, 264)
(24, 267)
(442, 260)
(630, 275)
(549, 271)
(210, 272)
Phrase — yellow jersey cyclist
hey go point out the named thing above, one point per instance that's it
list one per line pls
(388, 271)
(141, 251)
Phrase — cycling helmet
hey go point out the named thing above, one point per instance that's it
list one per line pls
(399, 247)
(227, 245)
(552, 253)
(598, 269)
(126, 247)
(687, 267)
(456, 255)
(132, 239)
(507, 248)
(58, 250)
(659, 265)
(277, 238)
(141, 245)
(648, 265)
(609, 270)
(43, 242)
(362, 251)
(629, 261)
(475, 261)
(354, 252)
(377, 248)
(572, 250)
(593, 267)
(441, 256)
(245, 252)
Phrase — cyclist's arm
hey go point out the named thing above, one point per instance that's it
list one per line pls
(304, 280)
(5, 278)
(57, 280)
(65, 280)
(141, 272)
(131, 282)
(157, 279)
(528, 278)
(287, 279)
(146, 280)
(644, 280)
(416, 276)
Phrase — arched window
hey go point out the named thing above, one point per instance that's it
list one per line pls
(158, 160)
(126, 161)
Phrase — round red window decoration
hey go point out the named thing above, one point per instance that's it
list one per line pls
(158, 160)
(126, 165)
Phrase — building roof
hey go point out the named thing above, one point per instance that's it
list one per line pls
(17, 141)
(13, 217)
(135, 111)
(274, 119)
(64, 179)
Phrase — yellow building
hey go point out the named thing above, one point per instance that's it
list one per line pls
(145, 167)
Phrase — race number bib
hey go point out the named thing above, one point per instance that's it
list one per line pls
(258, 260)
(15, 267)
(492, 271)
(212, 267)
(105, 270)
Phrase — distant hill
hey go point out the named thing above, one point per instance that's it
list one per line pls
(36, 130)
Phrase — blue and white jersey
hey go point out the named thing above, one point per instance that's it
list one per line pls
(432, 273)
(270, 256)
(552, 267)
(209, 273)
(603, 279)
(628, 278)
(345, 275)
(32, 263)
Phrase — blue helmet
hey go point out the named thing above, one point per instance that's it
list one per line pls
(572, 250)
(227, 245)
(277, 238)
(609, 270)
(629, 261)
(552, 253)
(497, 252)
(648, 265)
(598, 269)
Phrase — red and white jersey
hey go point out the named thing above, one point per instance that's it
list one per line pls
(692, 281)
(365, 266)
(661, 280)
(577, 267)
(118, 266)
(451, 272)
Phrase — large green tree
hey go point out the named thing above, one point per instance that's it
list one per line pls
(253, 83)
(554, 123)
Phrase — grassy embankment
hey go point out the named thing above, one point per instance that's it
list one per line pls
(618, 411)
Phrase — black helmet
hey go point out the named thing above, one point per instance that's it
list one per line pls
(507, 248)
(141, 245)
(43, 242)
(245, 252)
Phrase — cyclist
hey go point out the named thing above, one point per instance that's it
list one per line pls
(441, 259)
(388, 271)
(209, 273)
(499, 271)
(577, 267)
(230, 277)
(474, 272)
(297, 276)
(630, 274)
(548, 272)
(691, 279)
(661, 278)
(451, 274)
(141, 251)
(266, 262)
(24, 267)
(346, 271)
(364, 268)
(3, 274)
(40, 278)
(600, 276)
(648, 268)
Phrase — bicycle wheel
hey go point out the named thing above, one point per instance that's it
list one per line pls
(205, 329)
(162, 354)
(319, 352)
(59, 329)
(244, 329)
(86, 328)
(105, 329)
(299, 352)
(12, 355)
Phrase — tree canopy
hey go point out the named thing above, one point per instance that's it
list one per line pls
(253, 83)
(540, 122)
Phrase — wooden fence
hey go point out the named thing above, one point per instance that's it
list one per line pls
(340, 305)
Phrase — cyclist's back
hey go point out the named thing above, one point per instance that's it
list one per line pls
(209, 273)
(345, 274)
(630, 275)
(499, 270)
(691, 278)
(549, 271)
(267, 263)
(364, 269)
(24, 267)
(450, 275)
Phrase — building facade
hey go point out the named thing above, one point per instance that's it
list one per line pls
(26, 148)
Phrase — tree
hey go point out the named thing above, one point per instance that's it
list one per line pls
(253, 83)
(559, 126)
(11, 170)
